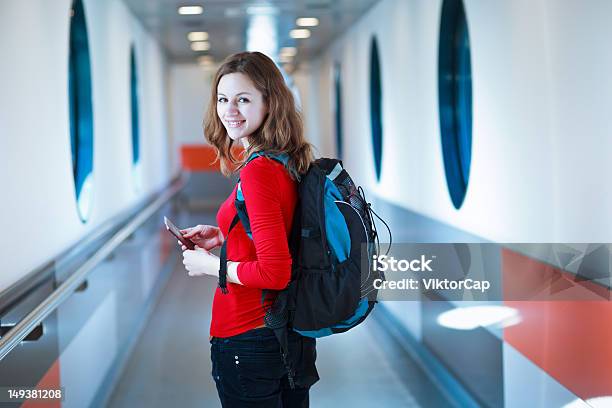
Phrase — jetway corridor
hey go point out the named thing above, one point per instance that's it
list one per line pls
(451, 158)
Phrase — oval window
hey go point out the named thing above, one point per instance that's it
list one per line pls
(376, 106)
(135, 119)
(80, 109)
(338, 100)
(455, 98)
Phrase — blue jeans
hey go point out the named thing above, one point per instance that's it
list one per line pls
(249, 372)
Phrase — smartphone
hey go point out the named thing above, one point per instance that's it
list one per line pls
(175, 231)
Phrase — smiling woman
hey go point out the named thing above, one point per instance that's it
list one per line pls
(240, 106)
(251, 104)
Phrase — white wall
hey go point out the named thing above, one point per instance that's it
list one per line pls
(310, 112)
(540, 116)
(38, 197)
(541, 120)
(190, 91)
(581, 129)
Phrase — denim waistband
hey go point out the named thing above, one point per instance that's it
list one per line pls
(259, 334)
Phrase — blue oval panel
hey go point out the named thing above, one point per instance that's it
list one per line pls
(376, 106)
(338, 99)
(81, 113)
(455, 98)
(134, 102)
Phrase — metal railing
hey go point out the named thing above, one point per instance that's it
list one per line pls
(14, 336)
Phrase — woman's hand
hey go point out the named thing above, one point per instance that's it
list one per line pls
(204, 236)
(200, 262)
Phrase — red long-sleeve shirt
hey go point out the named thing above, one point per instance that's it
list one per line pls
(265, 262)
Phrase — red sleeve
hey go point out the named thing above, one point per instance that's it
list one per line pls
(264, 197)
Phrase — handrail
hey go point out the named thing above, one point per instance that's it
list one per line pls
(14, 336)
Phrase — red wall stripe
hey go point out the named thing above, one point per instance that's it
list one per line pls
(569, 339)
(50, 381)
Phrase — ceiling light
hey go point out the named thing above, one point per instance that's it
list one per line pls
(200, 46)
(197, 36)
(288, 51)
(300, 33)
(190, 10)
(307, 22)
(262, 10)
(262, 35)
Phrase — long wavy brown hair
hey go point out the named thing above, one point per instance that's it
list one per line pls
(282, 130)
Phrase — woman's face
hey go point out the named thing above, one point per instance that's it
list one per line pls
(240, 106)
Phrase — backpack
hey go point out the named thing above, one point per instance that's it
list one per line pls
(331, 288)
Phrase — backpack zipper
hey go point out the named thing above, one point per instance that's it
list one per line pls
(321, 210)
(366, 235)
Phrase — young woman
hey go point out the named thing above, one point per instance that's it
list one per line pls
(250, 104)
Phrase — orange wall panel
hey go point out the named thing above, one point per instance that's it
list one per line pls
(569, 339)
(202, 157)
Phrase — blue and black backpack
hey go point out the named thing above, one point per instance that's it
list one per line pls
(332, 242)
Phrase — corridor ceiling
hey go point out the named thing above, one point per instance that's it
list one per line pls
(227, 21)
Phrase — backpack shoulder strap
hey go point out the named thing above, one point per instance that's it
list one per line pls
(282, 158)
(223, 258)
(243, 216)
(239, 201)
